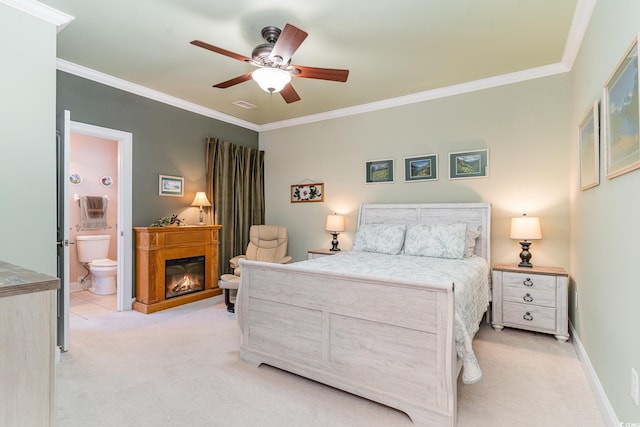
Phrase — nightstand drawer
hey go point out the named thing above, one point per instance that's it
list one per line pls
(528, 281)
(529, 316)
(529, 296)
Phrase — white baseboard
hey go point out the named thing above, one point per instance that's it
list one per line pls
(601, 397)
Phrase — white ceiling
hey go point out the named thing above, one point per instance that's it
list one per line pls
(397, 51)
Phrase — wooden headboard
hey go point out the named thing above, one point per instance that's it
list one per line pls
(473, 214)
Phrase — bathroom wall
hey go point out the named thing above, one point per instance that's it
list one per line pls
(92, 159)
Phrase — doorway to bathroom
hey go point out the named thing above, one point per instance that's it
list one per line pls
(119, 222)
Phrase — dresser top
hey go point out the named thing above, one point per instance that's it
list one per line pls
(16, 280)
(553, 271)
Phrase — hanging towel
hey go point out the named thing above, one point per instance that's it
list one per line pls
(93, 212)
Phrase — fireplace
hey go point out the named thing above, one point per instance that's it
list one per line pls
(183, 276)
(175, 266)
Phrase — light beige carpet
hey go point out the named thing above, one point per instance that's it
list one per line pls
(180, 367)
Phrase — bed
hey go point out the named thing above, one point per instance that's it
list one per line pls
(391, 321)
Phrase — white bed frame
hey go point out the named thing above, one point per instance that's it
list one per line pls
(390, 342)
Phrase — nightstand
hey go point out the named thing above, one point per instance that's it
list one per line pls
(531, 298)
(317, 253)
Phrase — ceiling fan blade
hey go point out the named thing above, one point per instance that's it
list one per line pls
(220, 50)
(320, 73)
(289, 94)
(288, 42)
(234, 81)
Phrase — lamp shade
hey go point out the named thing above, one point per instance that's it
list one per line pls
(271, 79)
(335, 223)
(525, 228)
(200, 199)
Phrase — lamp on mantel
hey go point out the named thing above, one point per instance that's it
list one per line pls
(201, 200)
(334, 225)
(525, 228)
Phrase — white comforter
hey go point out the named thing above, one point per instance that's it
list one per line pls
(471, 288)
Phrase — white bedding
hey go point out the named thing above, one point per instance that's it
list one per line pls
(471, 288)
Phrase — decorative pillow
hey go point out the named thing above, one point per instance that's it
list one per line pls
(436, 240)
(470, 247)
(381, 238)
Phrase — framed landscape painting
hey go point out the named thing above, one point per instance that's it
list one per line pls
(171, 185)
(469, 164)
(589, 146)
(622, 116)
(421, 168)
(379, 171)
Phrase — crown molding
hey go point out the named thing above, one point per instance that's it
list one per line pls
(579, 24)
(96, 76)
(42, 11)
(473, 86)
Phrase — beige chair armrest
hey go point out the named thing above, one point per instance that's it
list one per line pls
(234, 262)
(285, 260)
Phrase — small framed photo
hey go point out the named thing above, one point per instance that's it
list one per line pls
(589, 147)
(469, 164)
(421, 168)
(171, 185)
(621, 116)
(379, 171)
(301, 193)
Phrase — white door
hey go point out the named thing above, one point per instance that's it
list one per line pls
(63, 137)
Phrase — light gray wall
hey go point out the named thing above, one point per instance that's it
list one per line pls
(604, 226)
(27, 135)
(166, 140)
(524, 127)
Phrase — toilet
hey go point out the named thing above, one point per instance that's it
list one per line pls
(93, 251)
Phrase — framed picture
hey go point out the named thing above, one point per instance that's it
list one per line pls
(171, 185)
(469, 164)
(622, 116)
(421, 168)
(589, 147)
(378, 171)
(307, 193)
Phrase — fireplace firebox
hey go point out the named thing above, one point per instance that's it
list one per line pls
(175, 265)
(184, 276)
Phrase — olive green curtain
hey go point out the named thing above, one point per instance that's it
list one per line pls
(235, 182)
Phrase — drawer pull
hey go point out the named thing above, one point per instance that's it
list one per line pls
(527, 282)
(527, 298)
(528, 317)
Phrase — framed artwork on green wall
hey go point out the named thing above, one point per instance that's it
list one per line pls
(589, 147)
(421, 168)
(170, 185)
(379, 171)
(469, 164)
(622, 116)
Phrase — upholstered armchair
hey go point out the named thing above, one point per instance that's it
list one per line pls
(267, 243)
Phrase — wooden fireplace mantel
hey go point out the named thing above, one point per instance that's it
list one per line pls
(156, 245)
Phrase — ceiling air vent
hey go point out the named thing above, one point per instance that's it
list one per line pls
(244, 104)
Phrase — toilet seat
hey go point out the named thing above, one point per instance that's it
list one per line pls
(103, 263)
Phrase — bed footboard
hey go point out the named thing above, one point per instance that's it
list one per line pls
(390, 342)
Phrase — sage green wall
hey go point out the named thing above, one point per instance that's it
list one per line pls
(604, 227)
(166, 140)
(27, 150)
(524, 127)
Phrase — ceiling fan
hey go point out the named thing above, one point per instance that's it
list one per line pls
(273, 60)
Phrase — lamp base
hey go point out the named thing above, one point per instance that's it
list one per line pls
(334, 243)
(525, 255)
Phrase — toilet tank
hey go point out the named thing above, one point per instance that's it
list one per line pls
(92, 247)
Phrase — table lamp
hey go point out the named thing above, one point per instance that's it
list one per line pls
(201, 200)
(525, 228)
(334, 225)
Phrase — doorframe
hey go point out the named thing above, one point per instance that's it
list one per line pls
(124, 217)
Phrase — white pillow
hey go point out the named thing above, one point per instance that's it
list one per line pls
(436, 240)
(381, 238)
(470, 247)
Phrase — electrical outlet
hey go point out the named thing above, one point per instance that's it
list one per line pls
(634, 387)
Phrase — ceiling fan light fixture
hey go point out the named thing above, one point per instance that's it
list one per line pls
(271, 79)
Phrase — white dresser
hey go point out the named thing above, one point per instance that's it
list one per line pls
(531, 298)
(317, 253)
